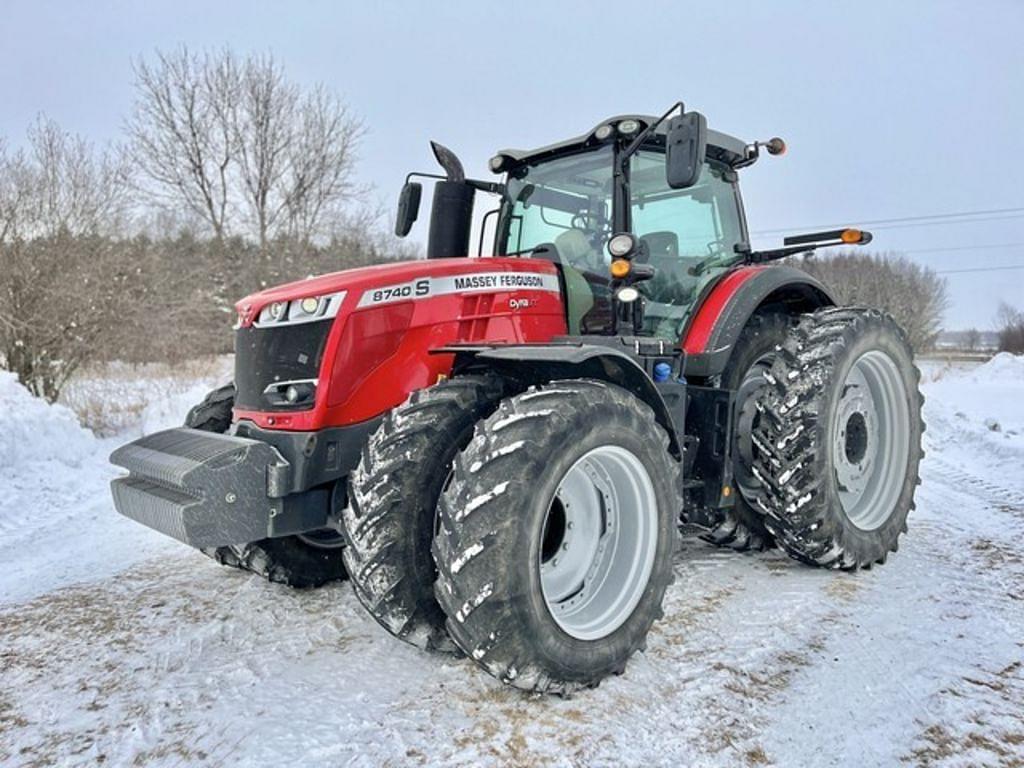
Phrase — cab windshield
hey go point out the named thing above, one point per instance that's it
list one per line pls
(565, 204)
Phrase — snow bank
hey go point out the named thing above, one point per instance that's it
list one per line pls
(33, 431)
(975, 416)
(57, 523)
(1003, 366)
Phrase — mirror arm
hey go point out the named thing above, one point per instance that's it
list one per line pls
(493, 187)
(417, 175)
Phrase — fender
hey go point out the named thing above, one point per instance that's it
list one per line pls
(729, 303)
(541, 363)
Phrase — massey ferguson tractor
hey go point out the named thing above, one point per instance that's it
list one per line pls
(499, 452)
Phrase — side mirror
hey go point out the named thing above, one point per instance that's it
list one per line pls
(408, 207)
(685, 145)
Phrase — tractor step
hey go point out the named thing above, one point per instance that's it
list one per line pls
(202, 488)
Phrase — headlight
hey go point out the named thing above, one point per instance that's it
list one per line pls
(628, 294)
(603, 132)
(496, 163)
(621, 245)
(305, 310)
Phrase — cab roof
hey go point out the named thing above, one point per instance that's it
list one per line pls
(721, 146)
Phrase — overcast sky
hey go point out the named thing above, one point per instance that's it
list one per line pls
(891, 109)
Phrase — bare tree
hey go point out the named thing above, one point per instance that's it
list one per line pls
(60, 285)
(181, 133)
(262, 131)
(913, 294)
(972, 337)
(242, 146)
(61, 184)
(320, 164)
(1010, 322)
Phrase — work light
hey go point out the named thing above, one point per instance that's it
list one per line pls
(622, 245)
(629, 127)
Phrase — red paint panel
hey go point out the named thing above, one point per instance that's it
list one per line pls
(703, 324)
(375, 356)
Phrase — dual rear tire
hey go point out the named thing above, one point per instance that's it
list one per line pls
(838, 441)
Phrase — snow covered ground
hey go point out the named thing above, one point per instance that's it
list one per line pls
(121, 647)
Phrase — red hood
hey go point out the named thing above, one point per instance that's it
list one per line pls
(361, 278)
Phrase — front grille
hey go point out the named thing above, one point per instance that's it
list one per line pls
(266, 355)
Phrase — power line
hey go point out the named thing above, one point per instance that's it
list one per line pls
(949, 248)
(946, 222)
(987, 247)
(897, 220)
(978, 269)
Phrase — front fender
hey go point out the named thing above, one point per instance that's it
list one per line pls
(541, 363)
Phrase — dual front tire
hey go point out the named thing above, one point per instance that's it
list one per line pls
(556, 536)
(535, 532)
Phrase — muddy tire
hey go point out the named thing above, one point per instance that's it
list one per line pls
(742, 527)
(390, 522)
(303, 561)
(839, 439)
(557, 534)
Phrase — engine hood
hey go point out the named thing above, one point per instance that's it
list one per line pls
(356, 282)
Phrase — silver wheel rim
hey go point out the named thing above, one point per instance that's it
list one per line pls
(871, 440)
(599, 540)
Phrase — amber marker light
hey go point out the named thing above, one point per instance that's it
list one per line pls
(620, 268)
(852, 236)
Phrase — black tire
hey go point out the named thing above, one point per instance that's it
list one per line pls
(803, 440)
(289, 560)
(389, 525)
(492, 533)
(742, 527)
(213, 414)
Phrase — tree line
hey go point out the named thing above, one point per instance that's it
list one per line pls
(229, 177)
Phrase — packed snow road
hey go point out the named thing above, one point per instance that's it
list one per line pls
(118, 647)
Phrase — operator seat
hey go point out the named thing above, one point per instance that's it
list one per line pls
(570, 248)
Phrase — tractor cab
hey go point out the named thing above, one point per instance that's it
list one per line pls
(641, 214)
(566, 203)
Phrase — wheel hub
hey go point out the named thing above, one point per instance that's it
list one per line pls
(599, 540)
(870, 445)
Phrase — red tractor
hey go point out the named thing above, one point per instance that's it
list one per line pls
(499, 451)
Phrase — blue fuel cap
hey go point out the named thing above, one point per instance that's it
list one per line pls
(662, 371)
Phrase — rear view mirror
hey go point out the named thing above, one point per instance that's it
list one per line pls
(408, 207)
(685, 144)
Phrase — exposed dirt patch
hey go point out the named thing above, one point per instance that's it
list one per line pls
(991, 735)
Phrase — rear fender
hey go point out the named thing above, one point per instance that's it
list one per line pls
(542, 363)
(728, 305)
